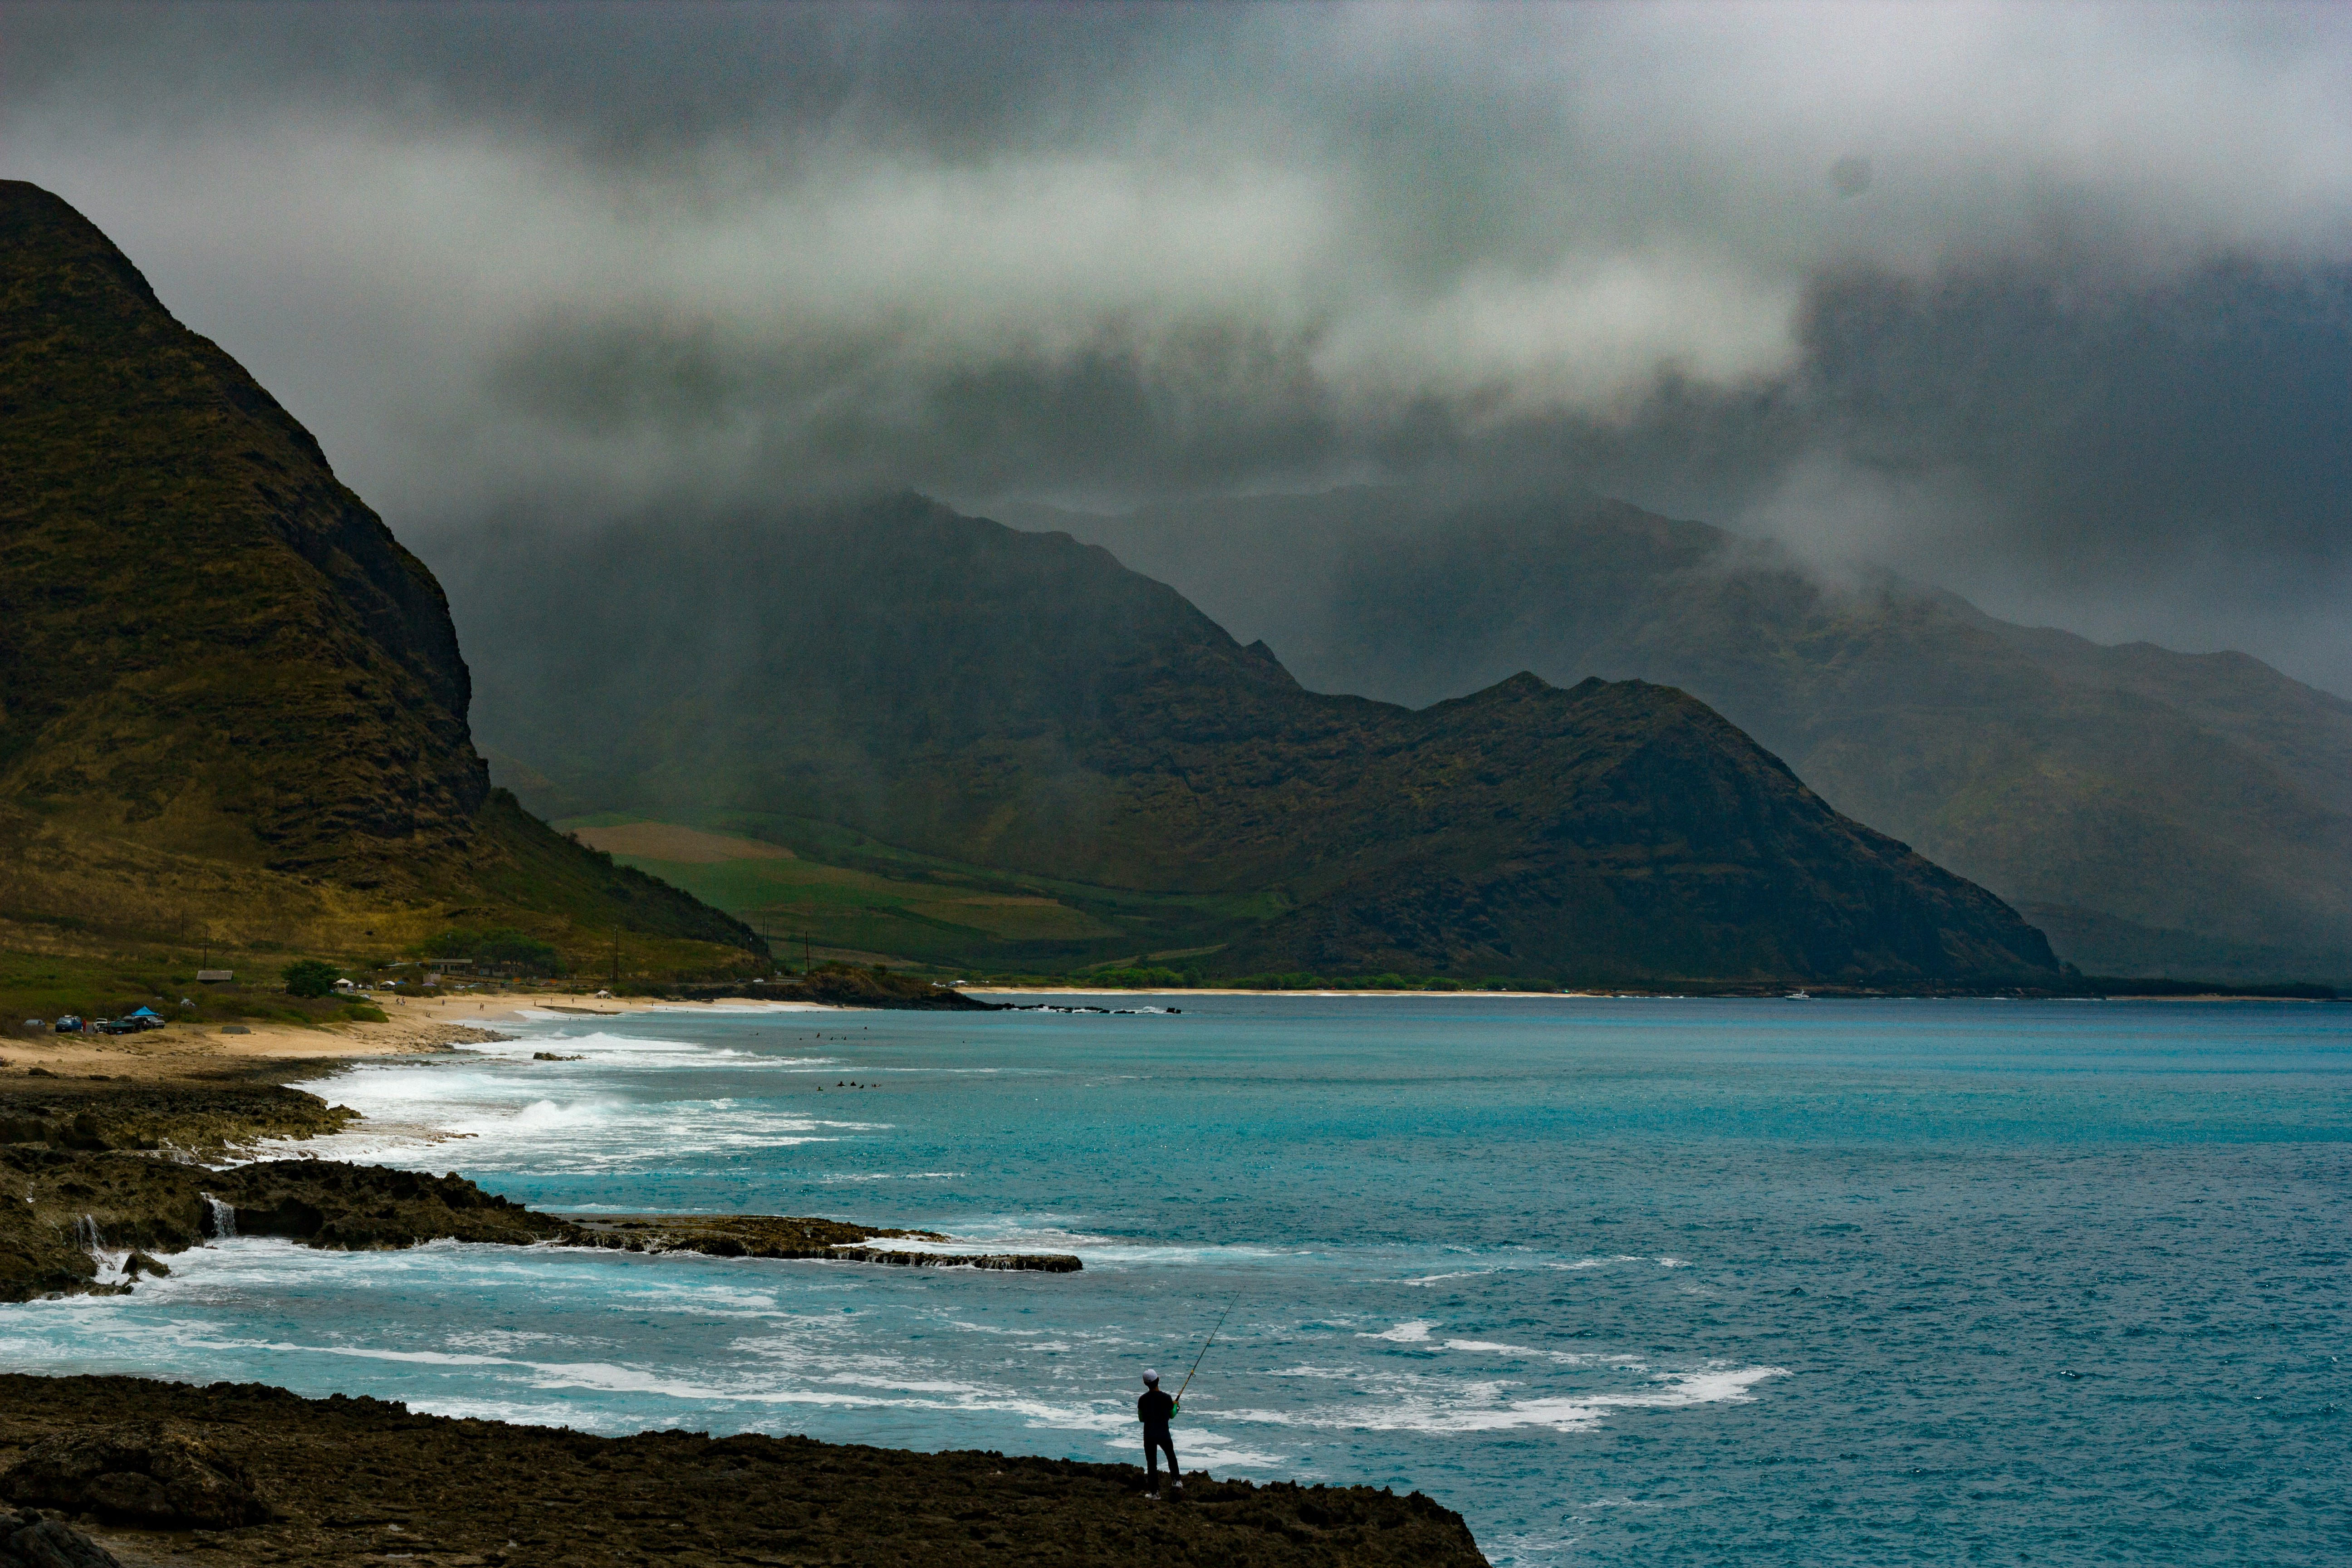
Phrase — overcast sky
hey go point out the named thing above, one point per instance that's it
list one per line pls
(2050, 304)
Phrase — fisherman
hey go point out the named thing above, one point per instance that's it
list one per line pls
(1154, 1410)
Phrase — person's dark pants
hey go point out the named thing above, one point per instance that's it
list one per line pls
(1157, 1440)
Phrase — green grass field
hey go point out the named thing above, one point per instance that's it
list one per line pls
(846, 894)
(46, 985)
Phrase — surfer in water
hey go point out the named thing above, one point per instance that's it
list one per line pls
(1154, 1410)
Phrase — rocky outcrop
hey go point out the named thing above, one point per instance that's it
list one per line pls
(355, 1208)
(773, 1236)
(65, 1215)
(195, 1117)
(905, 1257)
(729, 1236)
(28, 1541)
(153, 1476)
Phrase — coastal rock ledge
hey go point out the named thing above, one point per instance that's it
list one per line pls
(361, 1480)
(779, 1236)
(77, 1223)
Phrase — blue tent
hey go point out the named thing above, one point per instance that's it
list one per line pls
(145, 1013)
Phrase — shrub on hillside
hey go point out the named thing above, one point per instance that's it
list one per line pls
(310, 977)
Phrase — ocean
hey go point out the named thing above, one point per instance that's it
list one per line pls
(1659, 1281)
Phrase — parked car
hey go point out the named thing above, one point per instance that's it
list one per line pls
(69, 1025)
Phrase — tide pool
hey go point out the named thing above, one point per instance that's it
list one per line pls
(1618, 1279)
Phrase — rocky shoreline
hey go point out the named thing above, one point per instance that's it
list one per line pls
(168, 1474)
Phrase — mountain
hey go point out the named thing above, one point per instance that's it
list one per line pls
(232, 706)
(1022, 703)
(2156, 813)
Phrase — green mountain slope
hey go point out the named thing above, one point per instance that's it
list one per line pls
(1023, 705)
(230, 703)
(2154, 811)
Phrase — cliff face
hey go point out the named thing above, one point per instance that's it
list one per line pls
(230, 699)
(212, 645)
(1023, 702)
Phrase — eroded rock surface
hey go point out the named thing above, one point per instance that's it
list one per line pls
(195, 1116)
(151, 1475)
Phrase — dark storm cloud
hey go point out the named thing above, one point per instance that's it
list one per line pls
(2046, 303)
(2213, 414)
(617, 80)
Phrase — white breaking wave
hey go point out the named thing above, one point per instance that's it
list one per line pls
(1406, 1333)
(1484, 1407)
(519, 1113)
(893, 1176)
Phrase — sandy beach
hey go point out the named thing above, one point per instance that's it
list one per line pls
(420, 1023)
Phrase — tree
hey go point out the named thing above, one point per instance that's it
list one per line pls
(310, 977)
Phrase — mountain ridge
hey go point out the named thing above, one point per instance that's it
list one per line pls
(960, 689)
(2157, 812)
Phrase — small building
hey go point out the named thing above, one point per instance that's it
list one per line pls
(215, 977)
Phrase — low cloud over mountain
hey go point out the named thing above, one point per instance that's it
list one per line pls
(2051, 304)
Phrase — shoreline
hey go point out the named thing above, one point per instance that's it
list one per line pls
(259, 1473)
(434, 1024)
(193, 1132)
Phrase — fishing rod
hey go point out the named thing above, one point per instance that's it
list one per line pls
(1207, 1342)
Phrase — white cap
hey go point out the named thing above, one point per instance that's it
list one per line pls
(1150, 1376)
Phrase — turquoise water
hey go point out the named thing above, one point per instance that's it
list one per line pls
(1621, 1280)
